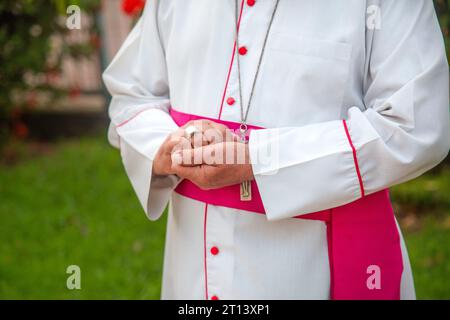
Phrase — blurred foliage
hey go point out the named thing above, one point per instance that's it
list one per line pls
(443, 11)
(27, 28)
(424, 194)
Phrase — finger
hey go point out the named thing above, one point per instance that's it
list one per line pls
(175, 141)
(211, 155)
(197, 139)
(180, 144)
(199, 175)
(219, 133)
(193, 156)
(179, 132)
(210, 132)
(231, 136)
(227, 134)
(188, 157)
(192, 173)
(194, 123)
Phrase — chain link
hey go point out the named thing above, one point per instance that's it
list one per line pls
(245, 116)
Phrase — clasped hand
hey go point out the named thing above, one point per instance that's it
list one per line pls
(211, 158)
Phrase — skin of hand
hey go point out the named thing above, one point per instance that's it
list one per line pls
(209, 132)
(222, 164)
(162, 164)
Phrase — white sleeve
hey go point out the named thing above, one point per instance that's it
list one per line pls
(403, 131)
(137, 81)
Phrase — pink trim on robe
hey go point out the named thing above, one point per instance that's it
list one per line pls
(231, 62)
(361, 235)
(205, 265)
(355, 158)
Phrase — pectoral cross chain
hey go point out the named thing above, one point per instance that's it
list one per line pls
(246, 186)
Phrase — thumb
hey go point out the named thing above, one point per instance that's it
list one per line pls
(192, 173)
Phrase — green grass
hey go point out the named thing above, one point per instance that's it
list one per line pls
(76, 206)
(424, 209)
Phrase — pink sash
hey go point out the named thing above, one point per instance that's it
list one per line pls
(363, 239)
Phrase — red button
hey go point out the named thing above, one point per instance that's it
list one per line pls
(251, 3)
(243, 51)
(214, 298)
(214, 251)
(231, 101)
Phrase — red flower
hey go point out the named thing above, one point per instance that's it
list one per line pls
(31, 100)
(74, 92)
(15, 113)
(95, 41)
(133, 7)
(20, 130)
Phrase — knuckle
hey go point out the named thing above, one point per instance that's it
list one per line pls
(203, 184)
(204, 187)
(206, 181)
(211, 178)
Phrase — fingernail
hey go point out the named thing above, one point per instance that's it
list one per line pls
(177, 158)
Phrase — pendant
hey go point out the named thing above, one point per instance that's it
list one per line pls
(246, 191)
(246, 186)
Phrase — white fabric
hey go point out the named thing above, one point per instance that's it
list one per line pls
(322, 65)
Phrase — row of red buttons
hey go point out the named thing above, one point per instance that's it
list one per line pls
(214, 251)
(230, 101)
(242, 51)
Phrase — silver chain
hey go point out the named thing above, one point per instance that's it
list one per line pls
(244, 117)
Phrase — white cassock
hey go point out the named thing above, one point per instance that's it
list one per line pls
(325, 61)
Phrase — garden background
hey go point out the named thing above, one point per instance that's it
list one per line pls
(64, 196)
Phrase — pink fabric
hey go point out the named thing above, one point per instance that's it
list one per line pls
(360, 234)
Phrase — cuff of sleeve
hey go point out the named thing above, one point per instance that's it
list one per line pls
(152, 191)
(303, 170)
(140, 139)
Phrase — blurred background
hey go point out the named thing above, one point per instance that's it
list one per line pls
(64, 196)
